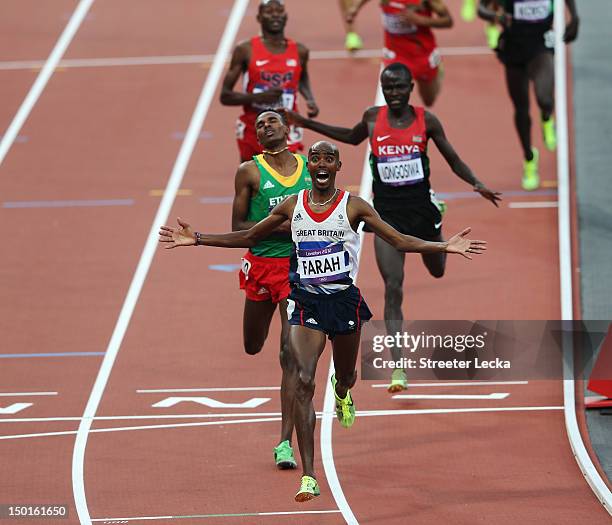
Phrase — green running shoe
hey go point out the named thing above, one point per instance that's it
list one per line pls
(492, 33)
(399, 381)
(468, 10)
(309, 489)
(531, 178)
(345, 409)
(440, 204)
(549, 134)
(283, 456)
(353, 42)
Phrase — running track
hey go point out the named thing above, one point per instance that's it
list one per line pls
(77, 192)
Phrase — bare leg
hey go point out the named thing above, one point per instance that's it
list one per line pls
(345, 5)
(346, 350)
(517, 81)
(541, 70)
(307, 346)
(256, 324)
(391, 266)
(429, 91)
(435, 262)
(289, 378)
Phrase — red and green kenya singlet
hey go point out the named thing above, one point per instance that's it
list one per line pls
(399, 161)
(273, 188)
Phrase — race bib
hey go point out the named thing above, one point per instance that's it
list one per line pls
(296, 135)
(287, 100)
(323, 265)
(401, 171)
(395, 24)
(532, 10)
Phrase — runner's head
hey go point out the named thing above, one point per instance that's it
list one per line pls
(396, 83)
(272, 16)
(323, 163)
(271, 130)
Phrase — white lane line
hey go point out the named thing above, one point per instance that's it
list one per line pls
(332, 54)
(327, 453)
(585, 463)
(277, 417)
(460, 383)
(228, 389)
(229, 515)
(10, 394)
(43, 77)
(495, 395)
(150, 248)
(533, 204)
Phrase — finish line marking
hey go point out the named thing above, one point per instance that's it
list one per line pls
(236, 515)
(495, 395)
(464, 383)
(250, 420)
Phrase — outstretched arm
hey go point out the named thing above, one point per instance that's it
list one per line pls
(355, 135)
(184, 235)
(460, 168)
(407, 243)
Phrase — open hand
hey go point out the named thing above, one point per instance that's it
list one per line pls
(459, 244)
(490, 195)
(181, 236)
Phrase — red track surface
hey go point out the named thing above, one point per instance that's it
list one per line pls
(107, 133)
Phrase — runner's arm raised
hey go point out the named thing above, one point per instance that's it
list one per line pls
(304, 87)
(460, 168)
(184, 235)
(355, 135)
(406, 243)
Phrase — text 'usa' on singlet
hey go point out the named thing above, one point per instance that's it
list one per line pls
(267, 70)
(326, 247)
(273, 188)
(402, 38)
(399, 161)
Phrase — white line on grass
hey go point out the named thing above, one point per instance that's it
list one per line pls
(174, 182)
(43, 77)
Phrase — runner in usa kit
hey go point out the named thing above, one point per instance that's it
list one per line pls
(274, 70)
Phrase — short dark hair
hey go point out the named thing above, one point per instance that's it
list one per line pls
(397, 67)
(281, 115)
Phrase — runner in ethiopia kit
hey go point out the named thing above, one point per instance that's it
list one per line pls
(274, 69)
(526, 49)
(399, 134)
(409, 39)
(324, 300)
(260, 185)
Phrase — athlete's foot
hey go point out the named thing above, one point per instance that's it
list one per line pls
(345, 409)
(399, 381)
(353, 42)
(468, 10)
(531, 178)
(309, 489)
(493, 33)
(283, 456)
(549, 134)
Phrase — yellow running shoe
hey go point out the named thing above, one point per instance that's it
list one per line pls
(345, 409)
(531, 178)
(309, 489)
(353, 42)
(468, 10)
(493, 32)
(549, 134)
(399, 381)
